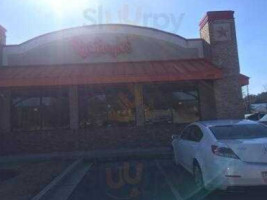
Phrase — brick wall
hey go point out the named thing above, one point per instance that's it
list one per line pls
(224, 54)
(4, 111)
(207, 100)
(87, 140)
(1, 55)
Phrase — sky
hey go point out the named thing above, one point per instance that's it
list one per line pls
(26, 19)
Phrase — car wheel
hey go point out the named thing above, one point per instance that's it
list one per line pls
(198, 177)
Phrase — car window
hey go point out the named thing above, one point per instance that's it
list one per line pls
(248, 131)
(256, 117)
(192, 133)
(186, 133)
(198, 134)
(195, 134)
(264, 118)
(253, 117)
(261, 116)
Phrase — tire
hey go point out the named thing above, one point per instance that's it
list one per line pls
(198, 177)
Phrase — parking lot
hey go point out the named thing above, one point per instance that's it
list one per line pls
(148, 179)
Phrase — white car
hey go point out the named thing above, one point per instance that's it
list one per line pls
(223, 154)
(263, 119)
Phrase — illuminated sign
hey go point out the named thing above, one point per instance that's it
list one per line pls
(99, 47)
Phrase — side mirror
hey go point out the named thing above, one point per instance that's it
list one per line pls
(175, 136)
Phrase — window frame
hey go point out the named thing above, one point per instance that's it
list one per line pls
(172, 87)
(40, 93)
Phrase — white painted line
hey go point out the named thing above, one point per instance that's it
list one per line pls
(66, 188)
(57, 180)
(173, 189)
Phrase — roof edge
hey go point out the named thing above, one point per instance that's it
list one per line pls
(101, 25)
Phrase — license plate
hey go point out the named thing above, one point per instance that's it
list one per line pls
(264, 176)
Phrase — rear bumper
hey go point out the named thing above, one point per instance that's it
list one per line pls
(237, 173)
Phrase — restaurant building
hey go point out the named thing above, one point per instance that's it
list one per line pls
(112, 86)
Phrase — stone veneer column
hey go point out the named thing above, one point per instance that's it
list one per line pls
(139, 103)
(74, 107)
(2, 35)
(4, 94)
(217, 29)
(5, 111)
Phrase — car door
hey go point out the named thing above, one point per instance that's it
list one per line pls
(179, 145)
(191, 145)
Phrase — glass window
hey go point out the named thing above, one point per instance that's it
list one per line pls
(192, 133)
(39, 109)
(264, 119)
(167, 104)
(256, 117)
(251, 131)
(106, 106)
(26, 113)
(196, 134)
(186, 133)
(55, 109)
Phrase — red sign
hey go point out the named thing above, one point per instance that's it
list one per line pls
(100, 47)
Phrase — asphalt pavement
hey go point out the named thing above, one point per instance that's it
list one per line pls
(149, 179)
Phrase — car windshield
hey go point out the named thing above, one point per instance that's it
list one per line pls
(248, 131)
(264, 119)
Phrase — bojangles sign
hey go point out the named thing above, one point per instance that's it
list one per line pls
(99, 47)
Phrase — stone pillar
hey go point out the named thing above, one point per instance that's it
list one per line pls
(2, 35)
(139, 103)
(74, 107)
(5, 111)
(2, 43)
(5, 105)
(217, 29)
(207, 100)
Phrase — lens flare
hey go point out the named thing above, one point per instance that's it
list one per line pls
(67, 7)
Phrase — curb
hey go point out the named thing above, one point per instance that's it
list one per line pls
(102, 155)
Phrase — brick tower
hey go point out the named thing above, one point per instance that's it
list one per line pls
(218, 31)
(2, 35)
(2, 42)
(4, 95)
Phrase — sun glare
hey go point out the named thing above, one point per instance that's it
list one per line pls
(64, 7)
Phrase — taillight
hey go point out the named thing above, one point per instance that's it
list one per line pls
(223, 152)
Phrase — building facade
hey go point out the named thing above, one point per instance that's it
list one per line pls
(102, 86)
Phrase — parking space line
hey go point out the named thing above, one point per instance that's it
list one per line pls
(58, 180)
(169, 182)
(64, 189)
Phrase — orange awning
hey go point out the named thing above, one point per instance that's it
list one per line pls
(244, 80)
(127, 72)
